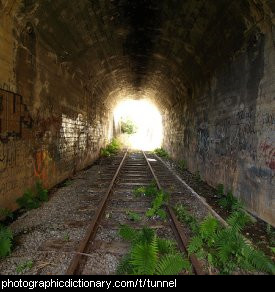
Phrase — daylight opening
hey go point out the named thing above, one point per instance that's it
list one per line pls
(139, 124)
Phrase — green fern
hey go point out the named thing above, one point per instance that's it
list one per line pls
(195, 244)
(28, 201)
(208, 229)
(41, 193)
(184, 216)
(144, 258)
(146, 235)
(125, 267)
(238, 220)
(150, 255)
(172, 264)
(226, 248)
(160, 199)
(5, 241)
(166, 246)
(128, 233)
(230, 202)
(258, 260)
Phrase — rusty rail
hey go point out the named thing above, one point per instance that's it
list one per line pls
(92, 229)
(176, 226)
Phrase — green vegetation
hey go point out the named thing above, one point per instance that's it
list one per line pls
(227, 249)
(230, 203)
(41, 193)
(186, 217)
(6, 238)
(220, 190)
(32, 200)
(21, 268)
(161, 153)
(67, 237)
(159, 200)
(182, 165)
(224, 248)
(111, 149)
(150, 255)
(156, 208)
(134, 216)
(148, 191)
(6, 213)
(128, 127)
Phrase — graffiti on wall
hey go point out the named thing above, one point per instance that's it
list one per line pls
(14, 116)
(268, 152)
(41, 165)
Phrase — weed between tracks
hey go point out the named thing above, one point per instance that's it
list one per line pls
(150, 255)
(160, 198)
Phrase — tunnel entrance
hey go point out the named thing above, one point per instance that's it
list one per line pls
(139, 124)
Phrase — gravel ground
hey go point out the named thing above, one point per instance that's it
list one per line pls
(46, 236)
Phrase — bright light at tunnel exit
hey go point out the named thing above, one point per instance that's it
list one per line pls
(148, 120)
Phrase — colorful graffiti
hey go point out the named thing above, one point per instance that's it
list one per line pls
(268, 152)
(41, 165)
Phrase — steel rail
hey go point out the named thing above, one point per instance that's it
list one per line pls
(93, 226)
(176, 226)
(202, 200)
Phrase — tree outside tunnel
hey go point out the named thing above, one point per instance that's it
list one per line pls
(140, 123)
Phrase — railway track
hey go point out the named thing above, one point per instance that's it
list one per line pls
(127, 172)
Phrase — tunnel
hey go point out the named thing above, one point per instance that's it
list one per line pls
(207, 66)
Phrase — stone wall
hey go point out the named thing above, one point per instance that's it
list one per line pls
(227, 132)
(50, 126)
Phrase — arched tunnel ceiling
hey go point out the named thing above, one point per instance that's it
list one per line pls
(165, 49)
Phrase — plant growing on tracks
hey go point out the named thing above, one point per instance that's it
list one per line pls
(111, 149)
(32, 200)
(134, 216)
(185, 216)
(5, 241)
(150, 255)
(160, 198)
(148, 191)
(21, 268)
(161, 153)
(156, 209)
